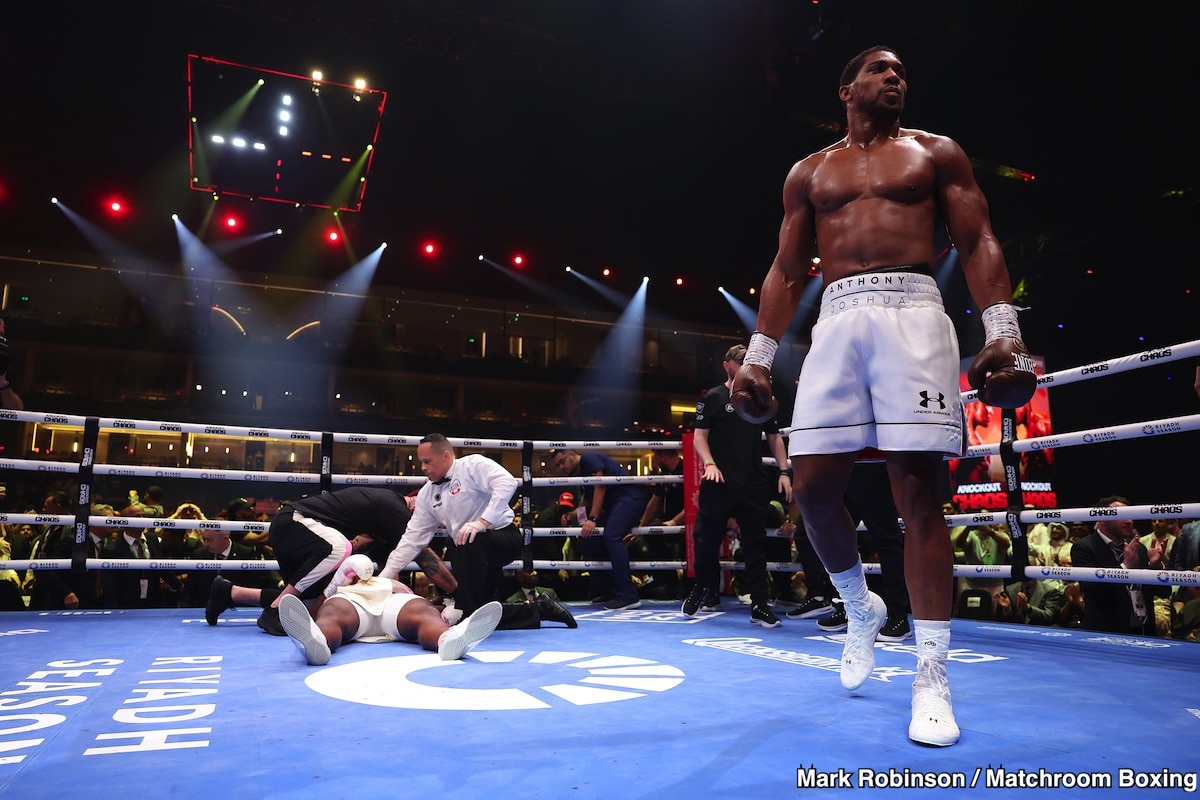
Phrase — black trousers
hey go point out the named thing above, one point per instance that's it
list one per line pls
(718, 503)
(869, 500)
(479, 565)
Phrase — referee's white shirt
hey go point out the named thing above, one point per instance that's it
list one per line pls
(476, 487)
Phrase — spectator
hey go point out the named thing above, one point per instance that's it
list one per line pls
(48, 589)
(1060, 545)
(242, 510)
(20, 538)
(1116, 607)
(613, 510)
(559, 514)
(10, 582)
(986, 545)
(1071, 614)
(1163, 535)
(148, 504)
(141, 587)
(218, 546)
(1185, 557)
(1030, 602)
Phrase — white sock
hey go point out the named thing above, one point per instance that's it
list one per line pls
(933, 638)
(852, 586)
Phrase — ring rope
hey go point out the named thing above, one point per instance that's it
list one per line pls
(1008, 451)
(997, 571)
(1113, 366)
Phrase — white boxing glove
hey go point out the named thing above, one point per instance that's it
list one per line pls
(356, 567)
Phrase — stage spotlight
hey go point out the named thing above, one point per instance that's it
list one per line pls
(568, 269)
(429, 249)
(518, 260)
(332, 236)
(606, 272)
(114, 207)
(679, 281)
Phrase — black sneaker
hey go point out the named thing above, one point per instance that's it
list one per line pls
(711, 601)
(895, 629)
(812, 607)
(269, 621)
(834, 622)
(691, 603)
(761, 614)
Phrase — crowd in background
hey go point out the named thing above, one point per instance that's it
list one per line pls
(1159, 543)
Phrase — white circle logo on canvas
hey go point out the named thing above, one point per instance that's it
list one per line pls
(495, 680)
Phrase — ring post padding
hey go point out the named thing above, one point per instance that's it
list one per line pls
(693, 471)
(83, 507)
(527, 506)
(1012, 486)
(326, 462)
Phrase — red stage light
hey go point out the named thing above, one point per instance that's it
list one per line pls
(231, 223)
(115, 207)
(429, 249)
(332, 236)
(518, 260)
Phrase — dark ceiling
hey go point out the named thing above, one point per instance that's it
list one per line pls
(649, 136)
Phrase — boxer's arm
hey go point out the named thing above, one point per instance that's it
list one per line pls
(437, 571)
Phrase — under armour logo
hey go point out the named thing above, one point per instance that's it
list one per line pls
(926, 400)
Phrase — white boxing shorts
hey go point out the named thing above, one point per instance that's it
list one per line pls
(882, 372)
(377, 608)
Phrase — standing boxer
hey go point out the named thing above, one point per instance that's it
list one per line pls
(882, 371)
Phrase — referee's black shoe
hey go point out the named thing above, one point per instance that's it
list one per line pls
(220, 598)
(554, 611)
